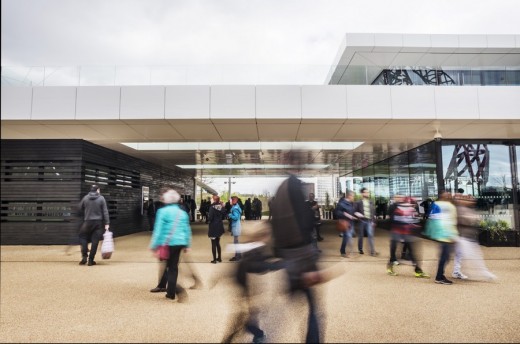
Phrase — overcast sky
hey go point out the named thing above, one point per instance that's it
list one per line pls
(230, 32)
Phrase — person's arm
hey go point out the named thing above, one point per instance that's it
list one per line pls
(187, 228)
(357, 210)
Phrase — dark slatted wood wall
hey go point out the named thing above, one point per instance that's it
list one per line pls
(43, 181)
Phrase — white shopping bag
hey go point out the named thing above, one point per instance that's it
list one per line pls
(108, 245)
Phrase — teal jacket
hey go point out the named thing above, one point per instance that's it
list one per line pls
(235, 215)
(165, 219)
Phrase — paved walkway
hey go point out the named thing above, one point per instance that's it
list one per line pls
(47, 297)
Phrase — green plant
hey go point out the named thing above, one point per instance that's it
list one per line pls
(497, 229)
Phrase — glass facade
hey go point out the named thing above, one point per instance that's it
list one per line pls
(486, 170)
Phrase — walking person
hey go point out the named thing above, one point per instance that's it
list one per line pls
(442, 227)
(235, 216)
(364, 210)
(313, 204)
(467, 249)
(402, 224)
(345, 212)
(95, 215)
(217, 213)
(172, 228)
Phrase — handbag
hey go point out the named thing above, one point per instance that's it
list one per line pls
(108, 245)
(342, 225)
(163, 251)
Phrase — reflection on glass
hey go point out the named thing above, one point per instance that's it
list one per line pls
(399, 181)
(484, 171)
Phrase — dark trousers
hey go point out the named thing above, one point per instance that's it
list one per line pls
(91, 230)
(215, 248)
(173, 271)
(313, 331)
(445, 250)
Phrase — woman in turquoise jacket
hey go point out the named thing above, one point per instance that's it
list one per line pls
(235, 215)
(172, 227)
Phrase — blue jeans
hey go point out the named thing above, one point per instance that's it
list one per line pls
(366, 226)
(346, 239)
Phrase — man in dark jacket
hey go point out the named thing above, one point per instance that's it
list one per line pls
(345, 211)
(95, 210)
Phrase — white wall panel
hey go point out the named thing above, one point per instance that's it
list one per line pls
(187, 102)
(365, 101)
(444, 43)
(232, 102)
(456, 102)
(472, 43)
(416, 43)
(98, 102)
(16, 103)
(499, 102)
(278, 102)
(388, 42)
(324, 102)
(142, 102)
(51, 102)
(413, 102)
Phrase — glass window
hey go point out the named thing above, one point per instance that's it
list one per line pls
(399, 181)
(484, 171)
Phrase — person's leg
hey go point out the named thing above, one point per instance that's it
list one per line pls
(163, 278)
(173, 271)
(83, 241)
(443, 259)
(361, 235)
(97, 234)
(393, 247)
(219, 249)
(235, 241)
(370, 235)
(343, 244)
(214, 249)
(313, 331)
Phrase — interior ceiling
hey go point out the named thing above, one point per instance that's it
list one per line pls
(381, 139)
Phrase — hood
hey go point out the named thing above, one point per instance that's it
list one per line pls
(93, 195)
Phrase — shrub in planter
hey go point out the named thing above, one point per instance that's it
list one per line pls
(497, 233)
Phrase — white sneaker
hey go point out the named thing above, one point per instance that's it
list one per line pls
(459, 275)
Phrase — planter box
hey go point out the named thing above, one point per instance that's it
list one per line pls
(512, 239)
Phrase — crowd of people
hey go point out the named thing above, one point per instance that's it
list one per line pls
(288, 241)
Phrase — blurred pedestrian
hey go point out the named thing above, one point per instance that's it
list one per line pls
(256, 258)
(403, 222)
(345, 212)
(467, 250)
(172, 228)
(442, 227)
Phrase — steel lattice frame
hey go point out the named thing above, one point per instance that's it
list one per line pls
(473, 159)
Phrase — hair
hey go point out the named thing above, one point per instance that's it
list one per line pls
(363, 190)
(348, 193)
(171, 196)
(94, 188)
(216, 198)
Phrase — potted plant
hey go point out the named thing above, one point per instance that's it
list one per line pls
(497, 233)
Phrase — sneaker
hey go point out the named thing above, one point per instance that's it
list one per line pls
(459, 275)
(421, 274)
(91, 262)
(395, 263)
(361, 252)
(390, 270)
(374, 254)
(345, 255)
(444, 281)
(219, 260)
(234, 259)
(83, 261)
(158, 290)
(214, 261)
(259, 339)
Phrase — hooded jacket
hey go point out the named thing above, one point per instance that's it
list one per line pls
(94, 207)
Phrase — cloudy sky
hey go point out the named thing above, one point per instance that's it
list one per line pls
(225, 32)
